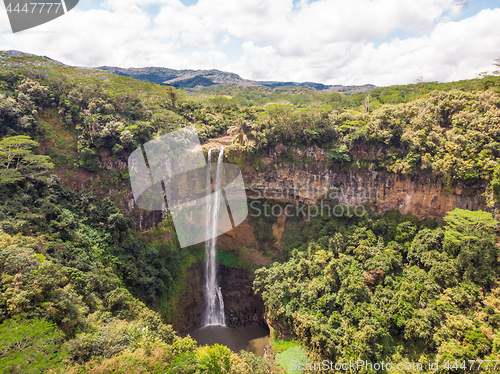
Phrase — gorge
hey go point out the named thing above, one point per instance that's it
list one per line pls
(421, 196)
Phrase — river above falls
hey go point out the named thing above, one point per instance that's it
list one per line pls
(252, 338)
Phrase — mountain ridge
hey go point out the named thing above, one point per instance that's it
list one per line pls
(189, 78)
(184, 79)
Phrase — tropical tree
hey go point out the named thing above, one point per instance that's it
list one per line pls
(243, 132)
(29, 346)
(17, 160)
(471, 235)
(340, 153)
(465, 226)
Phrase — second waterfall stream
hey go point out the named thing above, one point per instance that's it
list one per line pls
(214, 303)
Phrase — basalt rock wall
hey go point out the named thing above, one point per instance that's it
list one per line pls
(309, 177)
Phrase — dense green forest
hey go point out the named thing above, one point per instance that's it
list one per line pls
(76, 274)
(84, 290)
(391, 289)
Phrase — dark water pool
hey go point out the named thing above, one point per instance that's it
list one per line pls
(252, 338)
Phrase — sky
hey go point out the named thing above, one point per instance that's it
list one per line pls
(347, 42)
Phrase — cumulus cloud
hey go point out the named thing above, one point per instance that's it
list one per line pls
(329, 41)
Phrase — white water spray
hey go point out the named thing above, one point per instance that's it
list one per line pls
(214, 304)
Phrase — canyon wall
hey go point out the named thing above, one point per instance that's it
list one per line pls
(309, 178)
(242, 306)
(305, 178)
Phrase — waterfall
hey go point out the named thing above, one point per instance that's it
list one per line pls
(214, 304)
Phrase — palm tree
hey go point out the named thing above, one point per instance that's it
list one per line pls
(243, 132)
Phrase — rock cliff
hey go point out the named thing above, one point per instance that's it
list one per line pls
(311, 177)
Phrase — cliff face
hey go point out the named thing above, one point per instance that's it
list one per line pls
(187, 306)
(308, 181)
(242, 305)
(110, 182)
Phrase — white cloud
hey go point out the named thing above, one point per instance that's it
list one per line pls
(327, 41)
(453, 50)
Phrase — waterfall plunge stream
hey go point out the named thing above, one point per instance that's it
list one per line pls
(214, 304)
(251, 338)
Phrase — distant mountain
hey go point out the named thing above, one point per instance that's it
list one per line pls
(319, 86)
(14, 53)
(203, 78)
(180, 78)
(196, 81)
